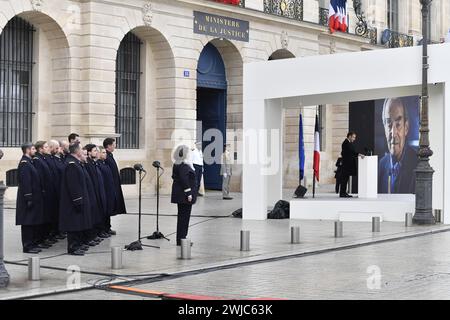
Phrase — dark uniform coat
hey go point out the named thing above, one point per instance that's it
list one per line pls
(97, 216)
(48, 187)
(108, 184)
(349, 158)
(93, 168)
(119, 207)
(29, 205)
(75, 205)
(57, 165)
(184, 184)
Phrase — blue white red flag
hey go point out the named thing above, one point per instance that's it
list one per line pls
(337, 16)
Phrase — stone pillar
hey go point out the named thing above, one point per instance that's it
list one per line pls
(4, 276)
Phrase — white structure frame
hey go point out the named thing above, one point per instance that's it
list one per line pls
(338, 79)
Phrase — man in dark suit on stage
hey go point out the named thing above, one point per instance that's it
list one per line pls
(349, 157)
(397, 166)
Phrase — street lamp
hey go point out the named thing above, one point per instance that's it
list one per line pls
(424, 172)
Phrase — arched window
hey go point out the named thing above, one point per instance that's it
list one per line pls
(16, 65)
(128, 73)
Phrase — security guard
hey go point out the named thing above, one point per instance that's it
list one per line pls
(95, 174)
(40, 162)
(108, 181)
(110, 145)
(75, 208)
(29, 205)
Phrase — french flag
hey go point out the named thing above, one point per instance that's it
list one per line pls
(337, 16)
(316, 161)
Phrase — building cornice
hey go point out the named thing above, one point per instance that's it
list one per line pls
(244, 14)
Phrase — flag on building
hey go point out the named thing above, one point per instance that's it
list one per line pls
(316, 163)
(233, 2)
(337, 15)
(301, 150)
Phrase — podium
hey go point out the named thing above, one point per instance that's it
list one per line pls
(368, 177)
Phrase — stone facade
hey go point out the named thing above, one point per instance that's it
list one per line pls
(74, 72)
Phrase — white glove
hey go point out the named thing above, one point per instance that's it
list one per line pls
(224, 175)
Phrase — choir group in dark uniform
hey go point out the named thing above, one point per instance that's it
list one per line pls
(66, 190)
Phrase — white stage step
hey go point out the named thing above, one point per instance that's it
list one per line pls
(390, 207)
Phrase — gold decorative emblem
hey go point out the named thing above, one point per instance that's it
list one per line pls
(283, 6)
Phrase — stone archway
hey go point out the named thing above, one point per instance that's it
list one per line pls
(233, 64)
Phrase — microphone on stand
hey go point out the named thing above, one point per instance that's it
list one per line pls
(139, 167)
(156, 164)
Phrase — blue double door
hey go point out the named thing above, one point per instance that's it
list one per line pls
(211, 107)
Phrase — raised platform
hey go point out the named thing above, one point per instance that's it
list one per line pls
(389, 207)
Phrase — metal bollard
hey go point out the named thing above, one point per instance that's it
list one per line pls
(4, 275)
(376, 224)
(408, 219)
(438, 215)
(338, 229)
(116, 258)
(245, 240)
(185, 249)
(34, 269)
(295, 235)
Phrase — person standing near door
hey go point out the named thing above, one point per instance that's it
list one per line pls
(226, 172)
(197, 160)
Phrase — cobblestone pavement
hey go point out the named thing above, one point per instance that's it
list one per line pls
(216, 245)
(417, 268)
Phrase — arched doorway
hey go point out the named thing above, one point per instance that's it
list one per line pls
(211, 105)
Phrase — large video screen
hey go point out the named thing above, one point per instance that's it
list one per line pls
(396, 143)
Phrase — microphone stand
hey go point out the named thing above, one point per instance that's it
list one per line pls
(157, 234)
(137, 245)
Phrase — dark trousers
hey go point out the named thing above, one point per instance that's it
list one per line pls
(43, 232)
(74, 240)
(30, 236)
(344, 184)
(184, 215)
(107, 224)
(198, 175)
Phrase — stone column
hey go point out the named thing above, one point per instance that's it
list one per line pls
(4, 276)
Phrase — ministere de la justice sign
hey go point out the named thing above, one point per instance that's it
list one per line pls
(222, 27)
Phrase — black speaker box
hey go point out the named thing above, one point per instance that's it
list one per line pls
(300, 191)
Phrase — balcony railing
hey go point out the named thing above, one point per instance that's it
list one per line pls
(394, 39)
(292, 9)
(323, 16)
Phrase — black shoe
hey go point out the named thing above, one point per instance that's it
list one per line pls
(84, 247)
(92, 243)
(345, 196)
(32, 250)
(104, 235)
(227, 198)
(98, 239)
(77, 252)
(51, 240)
(43, 246)
(60, 236)
(48, 242)
(112, 232)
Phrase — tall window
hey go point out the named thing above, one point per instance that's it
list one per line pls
(128, 73)
(392, 14)
(16, 65)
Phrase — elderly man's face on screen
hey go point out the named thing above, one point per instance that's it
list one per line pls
(396, 126)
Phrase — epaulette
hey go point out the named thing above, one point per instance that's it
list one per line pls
(72, 162)
(23, 161)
